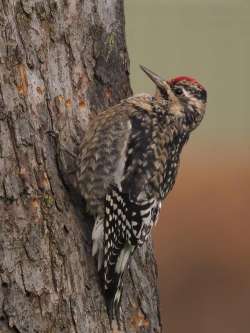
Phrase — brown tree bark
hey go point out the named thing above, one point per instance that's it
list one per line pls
(59, 60)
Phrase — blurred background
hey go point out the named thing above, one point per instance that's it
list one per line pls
(202, 241)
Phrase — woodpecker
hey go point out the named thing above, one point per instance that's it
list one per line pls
(127, 165)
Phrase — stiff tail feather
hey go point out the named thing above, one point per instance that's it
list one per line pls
(112, 258)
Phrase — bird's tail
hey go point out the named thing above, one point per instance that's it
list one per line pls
(113, 279)
(97, 239)
(113, 255)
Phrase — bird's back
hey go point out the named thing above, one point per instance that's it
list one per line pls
(107, 147)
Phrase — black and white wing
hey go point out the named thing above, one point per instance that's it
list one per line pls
(126, 225)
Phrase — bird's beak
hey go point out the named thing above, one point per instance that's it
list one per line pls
(158, 81)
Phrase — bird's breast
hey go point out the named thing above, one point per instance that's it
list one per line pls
(172, 164)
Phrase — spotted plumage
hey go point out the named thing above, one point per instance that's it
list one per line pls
(128, 164)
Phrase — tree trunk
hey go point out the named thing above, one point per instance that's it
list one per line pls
(59, 60)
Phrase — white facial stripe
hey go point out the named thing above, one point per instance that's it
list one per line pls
(186, 93)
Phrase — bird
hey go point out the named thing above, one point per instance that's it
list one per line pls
(126, 166)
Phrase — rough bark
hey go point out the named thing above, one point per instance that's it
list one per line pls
(59, 60)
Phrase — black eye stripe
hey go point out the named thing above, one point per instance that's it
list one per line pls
(198, 93)
(202, 95)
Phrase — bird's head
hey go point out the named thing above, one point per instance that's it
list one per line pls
(186, 98)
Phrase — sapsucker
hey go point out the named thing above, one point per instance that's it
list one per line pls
(127, 165)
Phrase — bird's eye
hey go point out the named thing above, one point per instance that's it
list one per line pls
(178, 91)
